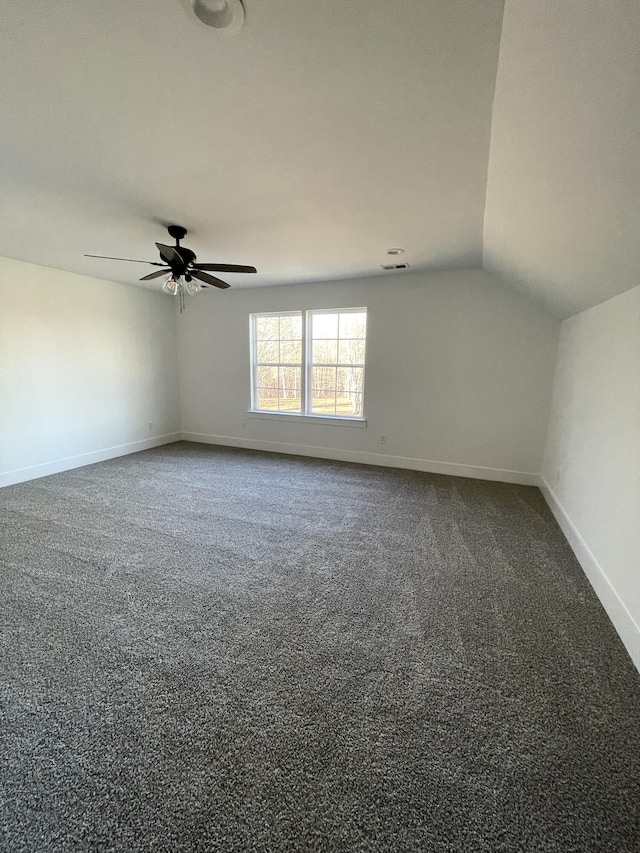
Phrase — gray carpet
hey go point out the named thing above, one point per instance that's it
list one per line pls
(217, 650)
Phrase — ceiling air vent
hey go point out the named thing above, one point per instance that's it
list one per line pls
(394, 266)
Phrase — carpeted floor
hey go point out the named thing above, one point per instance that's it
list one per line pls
(206, 649)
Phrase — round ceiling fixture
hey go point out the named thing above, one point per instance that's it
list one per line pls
(395, 251)
(225, 16)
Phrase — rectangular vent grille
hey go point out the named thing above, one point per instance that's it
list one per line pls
(395, 266)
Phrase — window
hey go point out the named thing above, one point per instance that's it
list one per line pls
(309, 362)
(277, 362)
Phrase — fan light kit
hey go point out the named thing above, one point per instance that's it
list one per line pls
(180, 264)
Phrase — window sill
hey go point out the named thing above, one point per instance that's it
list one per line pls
(324, 420)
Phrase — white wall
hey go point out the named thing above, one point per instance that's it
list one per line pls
(562, 215)
(459, 374)
(85, 365)
(592, 459)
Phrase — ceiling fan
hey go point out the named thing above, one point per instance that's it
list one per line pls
(179, 263)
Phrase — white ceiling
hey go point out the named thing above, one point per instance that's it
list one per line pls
(563, 197)
(319, 136)
(325, 132)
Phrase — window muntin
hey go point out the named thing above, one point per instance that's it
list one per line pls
(309, 362)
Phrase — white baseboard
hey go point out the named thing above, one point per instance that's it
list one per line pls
(21, 475)
(457, 470)
(627, 628)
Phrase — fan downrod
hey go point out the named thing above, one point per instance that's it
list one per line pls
(177, 232)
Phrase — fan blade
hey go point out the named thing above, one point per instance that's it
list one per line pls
(224, 268)
(208, 279)
(156, 274)
(132, 260)
(169, 254)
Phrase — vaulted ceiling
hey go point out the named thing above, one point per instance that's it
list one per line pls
(563, 195)
(324, 133)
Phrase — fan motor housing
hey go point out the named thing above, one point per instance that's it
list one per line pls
(177, 232)
(186, 254)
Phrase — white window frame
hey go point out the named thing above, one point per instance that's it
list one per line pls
(306, 367)
(252, 344)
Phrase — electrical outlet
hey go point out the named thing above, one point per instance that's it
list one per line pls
(150, 425)
(243, 425)
(383, 439)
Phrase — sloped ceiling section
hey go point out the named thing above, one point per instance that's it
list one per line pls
(562, 216)
(317, 137)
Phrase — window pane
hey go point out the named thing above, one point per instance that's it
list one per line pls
(323, 403)
(349, 405)
(323, 379)
(325, 325)
(325, 352)
(268, 399)
(267, 328)
(323, 391)
(353, 324)
(350, 379)
(291, 352)
(292, 402)
(267, 377)
(268, 352)
(291, 327)
(289, 378)
(289, 389)
(351, 352)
